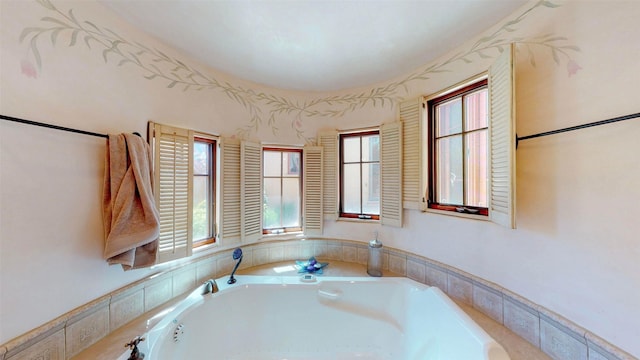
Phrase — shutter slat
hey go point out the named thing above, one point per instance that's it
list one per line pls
(328, 140)
(502, 135)
(313, 197)
(173, 176)
(230, 197)
(251, 191)
(391, 165)
(413, 184)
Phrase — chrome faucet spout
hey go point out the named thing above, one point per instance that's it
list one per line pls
(210, 287)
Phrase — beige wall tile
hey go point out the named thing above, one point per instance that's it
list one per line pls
(205, 270)
(397, 264)
(276, 253)
(416, 270)
(126, 308)
(561, 343)
(334, 252)
(49, 348)
(247, 258)
(522, 320)
(601, 349)
(488, 301)
(260, 257)
(224, 265)
(320, 249)
(184, 280)
(306, 250)
(460, 288)
(158, 292)
(362, 255)
(436, 276)
(292, 251)
(84, 332)
(350, 253)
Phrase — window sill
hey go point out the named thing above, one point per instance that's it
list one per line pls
(457, 214)
(283, 236)
(361, 221)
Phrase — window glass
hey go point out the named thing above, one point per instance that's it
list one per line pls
(282, 198)
(476, 107)
(203, 191)
(476, 165)
(351, 189)
(449, 170)
(458, 126)
(449, 117)
(360, 175)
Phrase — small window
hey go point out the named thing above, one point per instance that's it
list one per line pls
(458, 144)
(204, 185)
(360, 175)
(282, 201)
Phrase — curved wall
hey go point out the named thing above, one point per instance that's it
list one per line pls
(576, 192)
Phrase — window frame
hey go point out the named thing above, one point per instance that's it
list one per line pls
(341, 212)
(212, 145)
(291, 229)
(469, 87)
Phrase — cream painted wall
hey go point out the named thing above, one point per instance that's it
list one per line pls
(575, 250)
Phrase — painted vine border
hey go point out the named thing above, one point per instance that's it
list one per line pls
(263, 106)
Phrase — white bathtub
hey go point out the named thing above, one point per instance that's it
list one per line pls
(263, 317)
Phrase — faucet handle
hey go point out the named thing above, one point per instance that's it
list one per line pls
(134, 343)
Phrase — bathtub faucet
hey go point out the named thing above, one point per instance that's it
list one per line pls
(237, 255)
(210, 287)
(133, 346)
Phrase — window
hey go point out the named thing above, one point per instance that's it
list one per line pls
(184, 187)
(360, 175)
(458, 143)
(282, 202)
(204, 185)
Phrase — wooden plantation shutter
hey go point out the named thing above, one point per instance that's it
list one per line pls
(312, 193)
(230, 191)
(173, 167)
(391, 174)
(251, 191)
(502, 139)
(413, 157)
(329, 142)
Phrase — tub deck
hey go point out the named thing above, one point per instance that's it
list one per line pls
(111, 347)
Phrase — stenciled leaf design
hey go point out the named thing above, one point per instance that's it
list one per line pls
(115, 47)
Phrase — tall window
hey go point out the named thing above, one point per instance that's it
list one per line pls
(458, 169)
(282, 201)
(360, 175)
(204, 155)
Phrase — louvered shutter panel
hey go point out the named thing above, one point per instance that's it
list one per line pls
(251, 191)
(312, 165)
(329, 142)
(173, 166)
(230, 189)
(391, 174)
(413, 157)
(502, 139)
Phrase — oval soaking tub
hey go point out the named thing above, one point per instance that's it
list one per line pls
(266, 317)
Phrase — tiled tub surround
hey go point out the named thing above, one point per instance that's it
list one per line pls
(71, 333)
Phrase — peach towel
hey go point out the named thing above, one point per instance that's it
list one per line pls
(129, 214)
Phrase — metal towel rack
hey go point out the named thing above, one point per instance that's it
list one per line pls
(518, 139)
(51, 126)
(577, 127)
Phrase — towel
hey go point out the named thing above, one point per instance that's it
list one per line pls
(129, 214)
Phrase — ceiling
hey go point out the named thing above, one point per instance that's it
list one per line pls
(314, 45)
